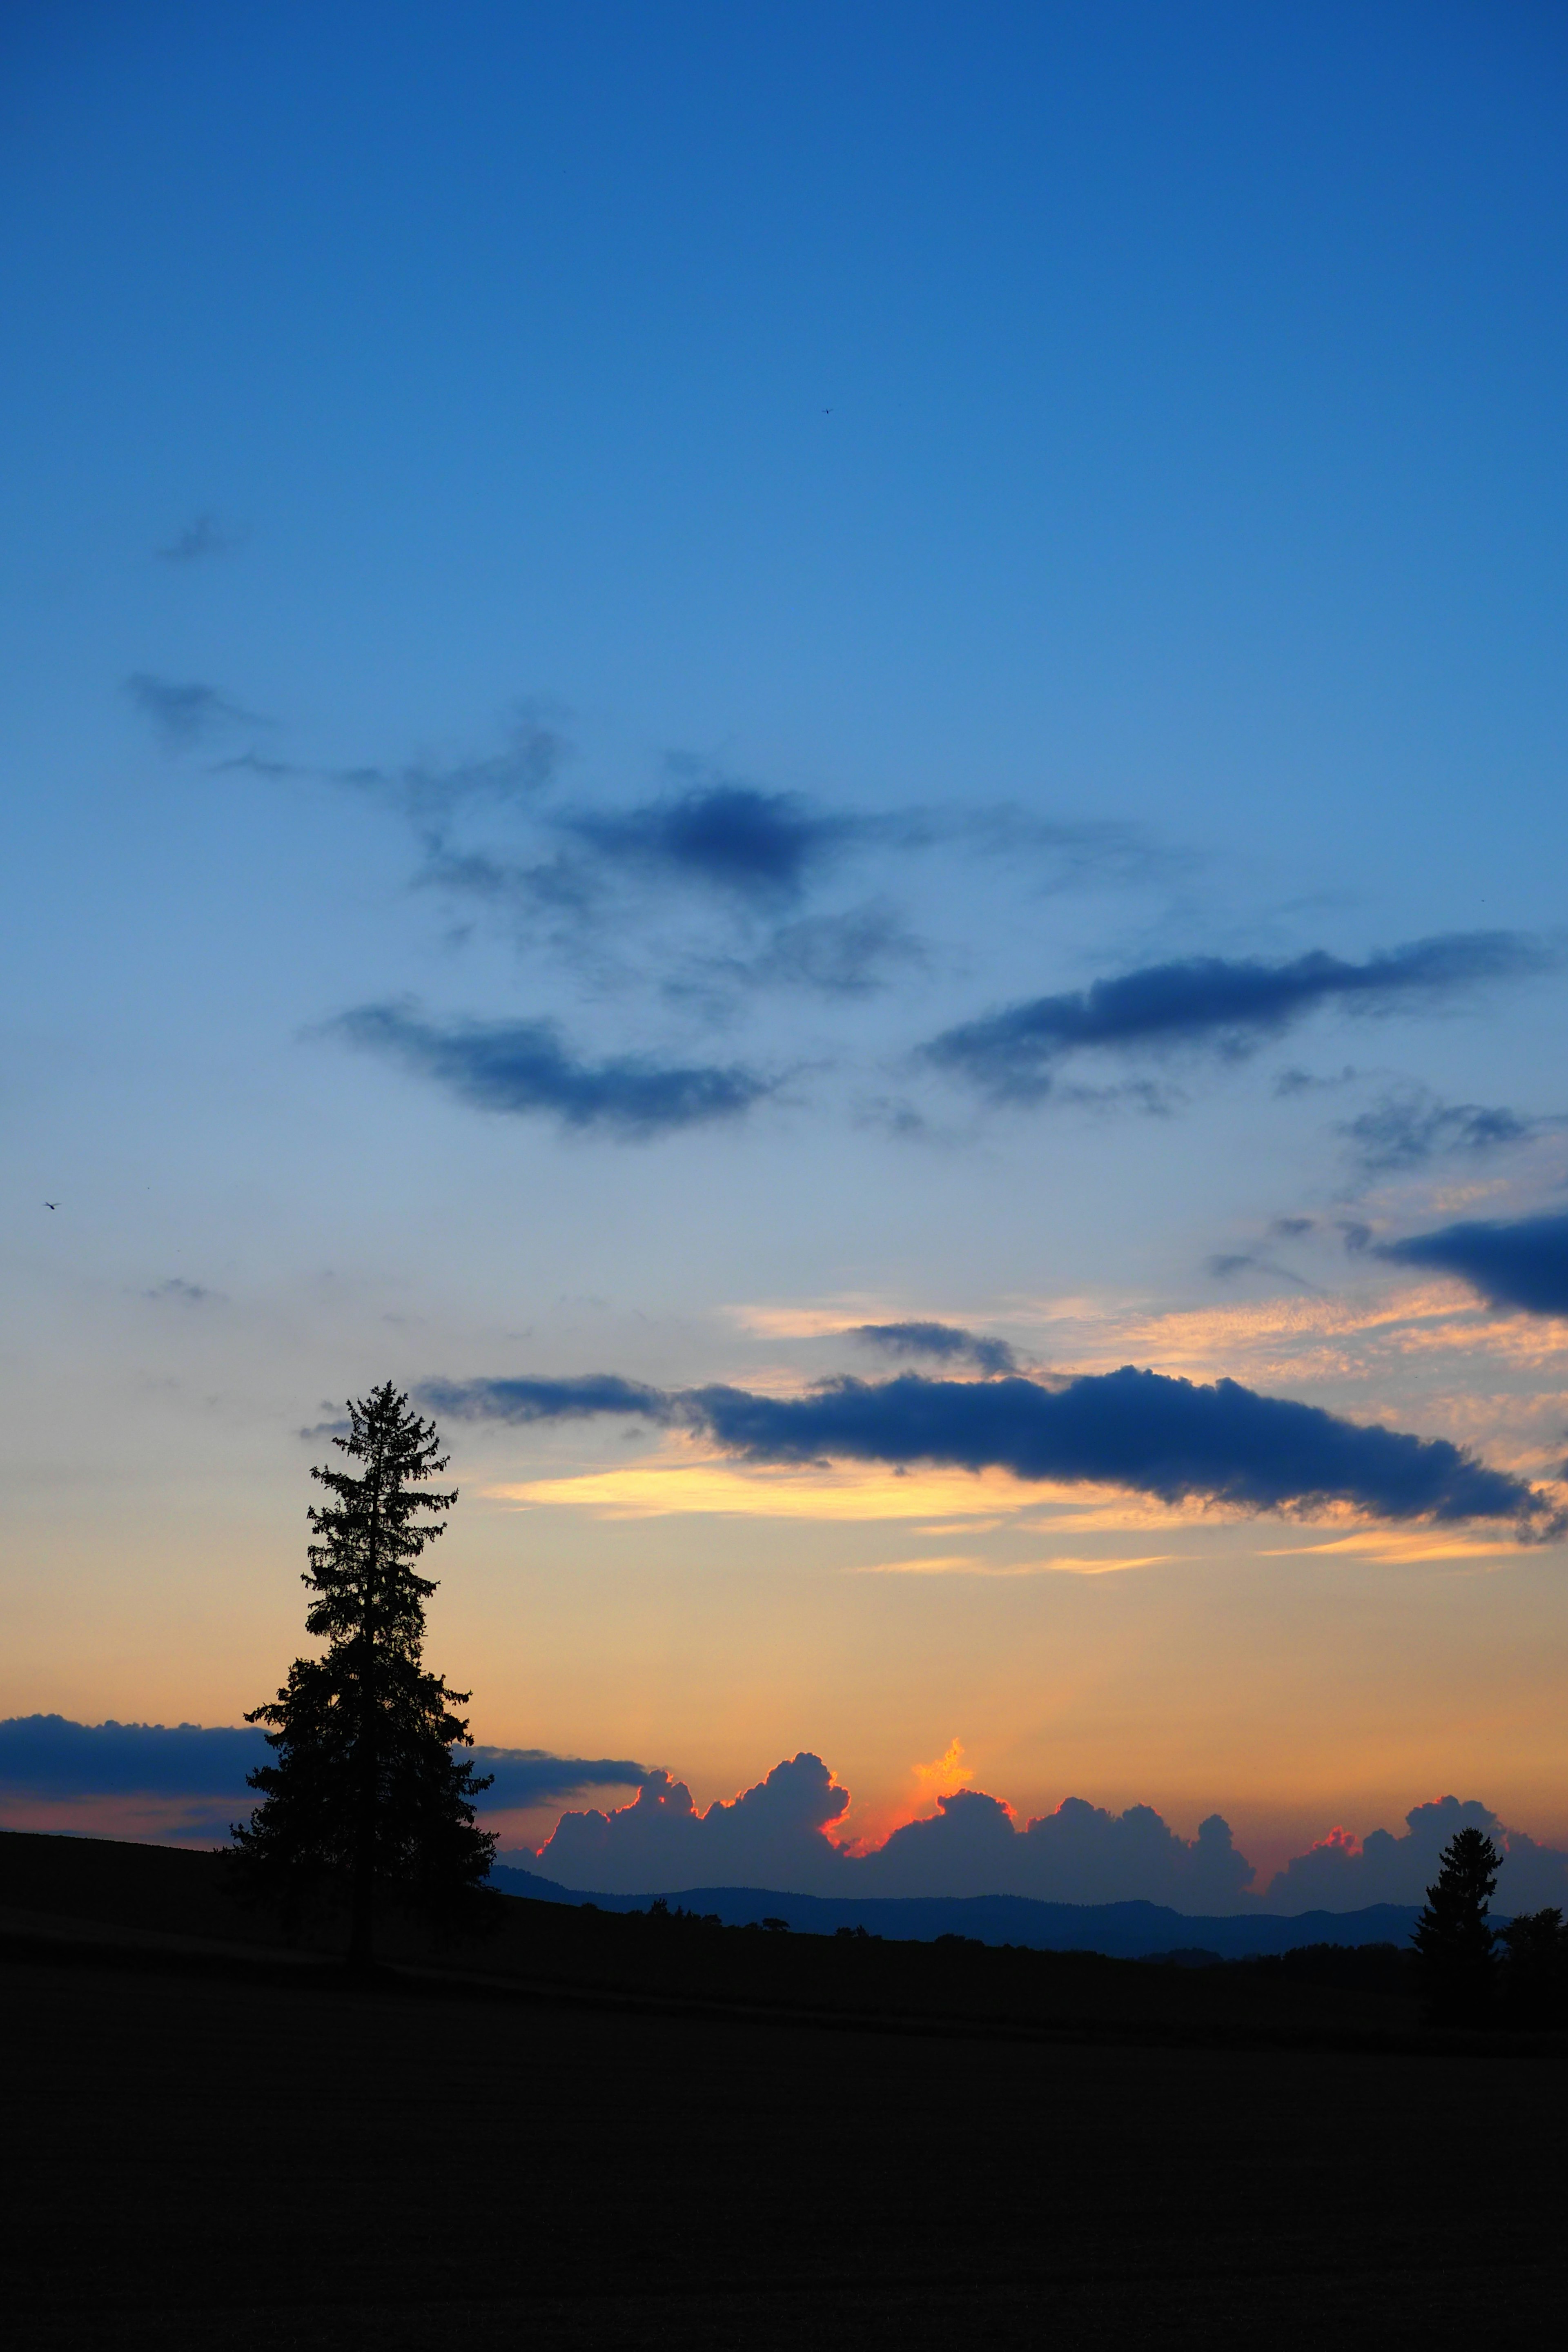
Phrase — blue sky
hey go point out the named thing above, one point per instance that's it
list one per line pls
(685, 679)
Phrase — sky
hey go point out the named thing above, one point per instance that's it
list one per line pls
(813, 758)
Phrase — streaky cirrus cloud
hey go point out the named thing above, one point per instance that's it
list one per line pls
(1520, 1261)
(183, 713)
(947, 1341)
(519, 1067)
(1144, 1432)
(1221, 1005)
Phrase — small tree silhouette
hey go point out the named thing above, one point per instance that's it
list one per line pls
(1452, 1937)
(1535, 1971)
(364, 1784)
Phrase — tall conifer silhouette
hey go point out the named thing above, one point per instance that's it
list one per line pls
(364, 1784)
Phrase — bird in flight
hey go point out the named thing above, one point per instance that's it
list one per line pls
(51, 1205)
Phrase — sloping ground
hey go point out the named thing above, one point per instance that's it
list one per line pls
(1124, 1931)
(293, 2167)
(69, 1889)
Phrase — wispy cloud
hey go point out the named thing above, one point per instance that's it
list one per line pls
(184, 713)
(947, 1341)
(1224, 1007)
(1409, 1127)
(430, 789)
(203, 535)
(519, 1067)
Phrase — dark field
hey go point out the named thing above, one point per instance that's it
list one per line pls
(211, 2150)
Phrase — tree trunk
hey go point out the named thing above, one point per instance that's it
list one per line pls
(361, 1899)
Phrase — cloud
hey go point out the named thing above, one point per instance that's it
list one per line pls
(846, 954)
(1226, 1263)
(770, 1835)
(523, 1066)
(758, 845)
(524, 1401)
(521, 1776)
(185, 714)
(946, 1341)
(1224, 1007)
(775, 1835)
(202, 536)
(1408, 1127)
(1138, 1431)
(1522, 1262)
(1080, 1854)
(1340, 1874)
(200, 1772)
(49, 1755)
(428, 789)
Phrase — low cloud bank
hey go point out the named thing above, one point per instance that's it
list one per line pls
(1340, 1874)
(1520, 1261)
(186, 1783)
(776, 1835)
(1220, 1005)
(1141, 1430)
(193, 1777)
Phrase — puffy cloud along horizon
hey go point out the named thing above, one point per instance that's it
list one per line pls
(190, 1780)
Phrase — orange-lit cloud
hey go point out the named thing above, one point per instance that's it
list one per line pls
(947, 1774)
(965, 1564)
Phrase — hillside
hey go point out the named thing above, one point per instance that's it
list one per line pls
(157, 1898)
(610, 2131)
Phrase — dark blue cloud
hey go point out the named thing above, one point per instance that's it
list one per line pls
(183, 714)
(1141, 1430)
(1224, 1006)
(47, 1756)
(532, 1776)
(949, 1341)
(757, 844)
(521, 1066)
(1410, 1126)
(1517, 1262)
(521, 1401)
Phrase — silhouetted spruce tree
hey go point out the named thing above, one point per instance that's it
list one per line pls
(364, 1784)
(1452, 1937)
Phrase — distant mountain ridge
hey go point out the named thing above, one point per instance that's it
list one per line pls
(1128, 1931)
